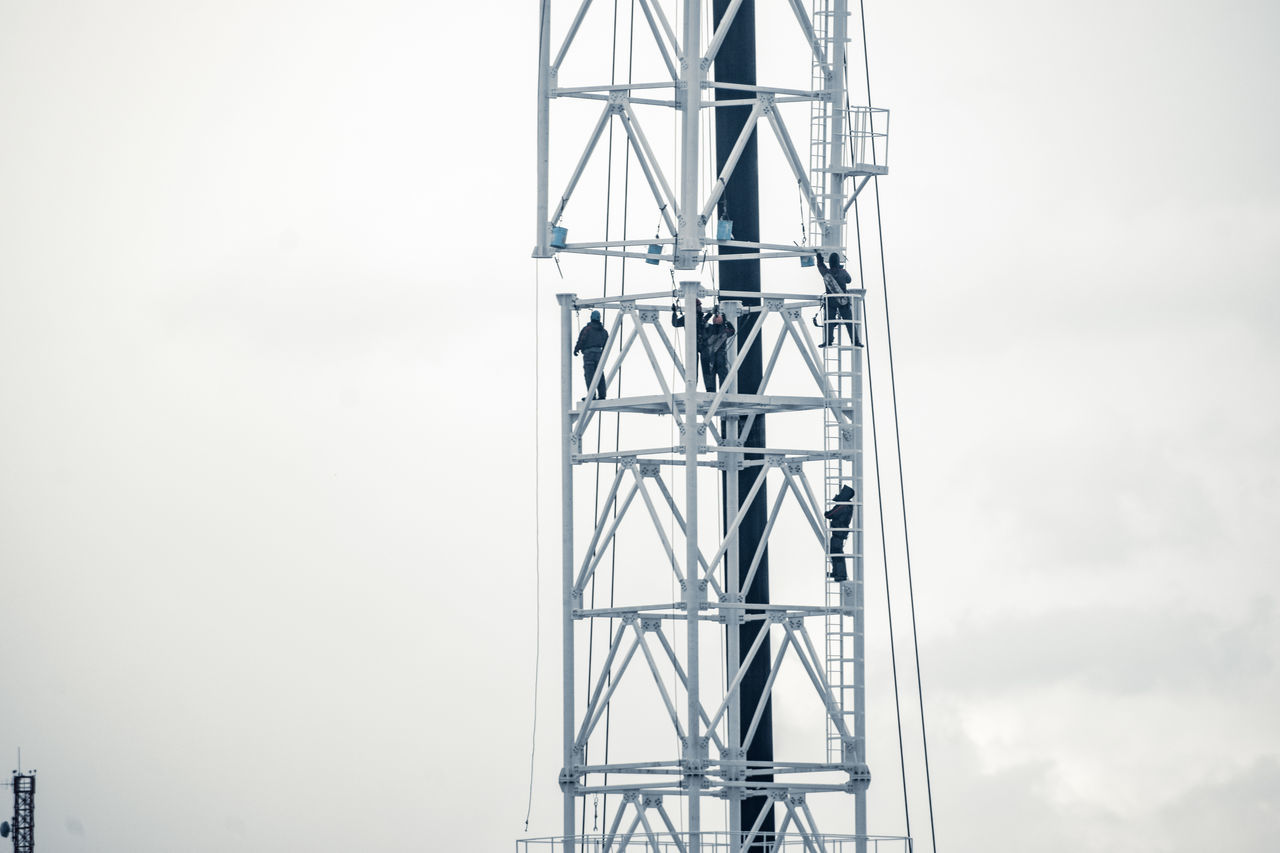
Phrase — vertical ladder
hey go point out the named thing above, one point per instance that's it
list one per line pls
(842, 465)
(819, 119)
(842, 439)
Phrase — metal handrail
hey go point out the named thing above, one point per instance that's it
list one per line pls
(714, 842)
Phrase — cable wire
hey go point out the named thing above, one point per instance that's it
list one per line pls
(906, 538)
(595, 513)
(897, 434)
(617, 428)
(537, 535)
(884, 549)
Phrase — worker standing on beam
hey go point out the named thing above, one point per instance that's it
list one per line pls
(715, 350)
(837, 305)
(591, 342)
(714, 332)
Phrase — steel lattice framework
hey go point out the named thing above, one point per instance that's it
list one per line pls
(24, 813)
(657, 643)
(851, 141)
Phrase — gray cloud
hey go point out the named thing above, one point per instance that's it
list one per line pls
(1237, 811)
(1118, 650)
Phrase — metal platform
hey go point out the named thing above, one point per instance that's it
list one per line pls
(731, 405)
(859, 170)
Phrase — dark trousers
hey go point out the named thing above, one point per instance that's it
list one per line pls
(837, 559)
(715, 365)
(838, 308)
(591, 358)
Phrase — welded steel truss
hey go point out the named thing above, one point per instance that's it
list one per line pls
(648, 644)
(854, 139)
(653, 645)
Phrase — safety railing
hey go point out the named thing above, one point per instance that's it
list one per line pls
(869, 140)
(717, 842)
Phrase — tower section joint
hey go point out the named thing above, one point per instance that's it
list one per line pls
(734, 764)
(693, 763)
(734, 615)
(859, 779)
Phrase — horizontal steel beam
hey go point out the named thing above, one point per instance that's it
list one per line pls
(710, 613)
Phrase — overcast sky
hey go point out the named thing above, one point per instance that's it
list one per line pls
(266, 478)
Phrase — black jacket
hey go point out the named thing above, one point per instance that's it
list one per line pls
(836, 279)
(712, 337)
(677, 318)
(841, 515)
(592, 336)
(715, 337)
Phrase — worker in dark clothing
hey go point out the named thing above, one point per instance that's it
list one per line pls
(713, 343)
(714, 332)
(840, 517)
(837, 305)
(677, 320)
(591, 341)
(677, 316)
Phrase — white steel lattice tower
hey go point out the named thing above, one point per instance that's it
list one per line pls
(676, 773)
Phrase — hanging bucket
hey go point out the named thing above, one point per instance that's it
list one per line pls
(654, 249)
(558, 237)
(806, 260)
(724, 229)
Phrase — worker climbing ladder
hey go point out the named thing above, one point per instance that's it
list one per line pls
(842, 466)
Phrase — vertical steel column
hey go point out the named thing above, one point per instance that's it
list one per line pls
(568, 775)
(689, 100)
(859, 578)
(542, 248)
(736, 63)
(694, 758)
(732, 590)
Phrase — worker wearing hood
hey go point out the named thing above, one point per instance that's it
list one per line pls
(591, 343)
(714, 332)
(837, 308)
(840, 518)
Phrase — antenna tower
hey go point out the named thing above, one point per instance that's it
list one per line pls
(677, 646)
(23, 825)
